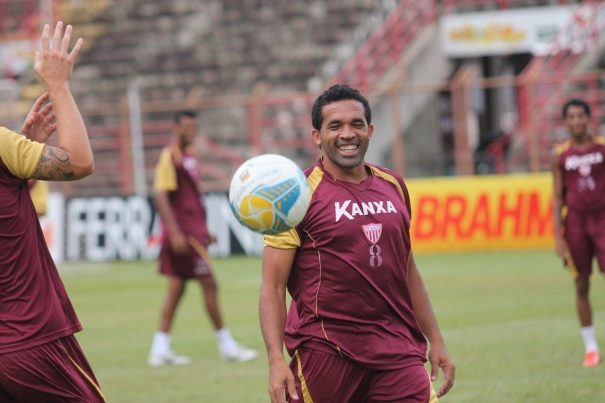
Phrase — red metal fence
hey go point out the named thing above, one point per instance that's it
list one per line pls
(18, 17)
(454, 6)
(547, 82)
(385, 47)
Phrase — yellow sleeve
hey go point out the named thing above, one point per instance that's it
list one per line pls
(285, 240)
(39, 195)
(20, 155)
(165, 173)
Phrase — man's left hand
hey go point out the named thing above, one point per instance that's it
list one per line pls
(40, 123)
(439, 358)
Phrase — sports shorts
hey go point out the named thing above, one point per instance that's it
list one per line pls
(53, 372)
(585, 237)
(323, 377)
(191, 264)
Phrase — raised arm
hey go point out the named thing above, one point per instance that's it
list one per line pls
(277, 264)
(423, 310)
(557, 205)
(72, 157)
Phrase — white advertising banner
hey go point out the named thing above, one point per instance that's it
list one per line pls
(52, 225)
(523, 30)
(128, 228)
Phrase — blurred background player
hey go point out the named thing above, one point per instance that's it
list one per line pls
(360, 313)
(40, 359)
(185, 237)
(578, 169)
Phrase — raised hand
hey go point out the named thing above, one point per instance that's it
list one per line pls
(72, 157)
(53, 62)
(40, 122)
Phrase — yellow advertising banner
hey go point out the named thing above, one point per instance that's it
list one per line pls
(482, 213)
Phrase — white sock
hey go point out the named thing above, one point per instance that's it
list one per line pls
(590, 342)
(224, 337)
(161, 343)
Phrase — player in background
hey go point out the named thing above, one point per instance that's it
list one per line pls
(578, 169)
(360, 315)
(185, 237)
(40, 359)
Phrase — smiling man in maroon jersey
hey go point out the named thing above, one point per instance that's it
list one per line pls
(40, 359)
(578, 169)
(360, 314)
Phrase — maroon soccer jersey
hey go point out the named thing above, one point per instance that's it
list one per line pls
(34, 307)
(177, 173)
(349, 278)
(583, 175)
(184, 194)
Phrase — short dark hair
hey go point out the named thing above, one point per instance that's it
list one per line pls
(575, 102)
(335, 93)
(187, 113)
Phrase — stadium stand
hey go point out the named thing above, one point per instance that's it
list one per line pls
(178, 50)
(251, 68)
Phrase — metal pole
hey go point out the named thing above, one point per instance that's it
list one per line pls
(463, 153)
(136, 138)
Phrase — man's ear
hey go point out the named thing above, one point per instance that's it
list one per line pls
(316, 137)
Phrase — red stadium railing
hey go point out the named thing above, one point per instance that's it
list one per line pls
(19, 17)
(457, 6)
(546, 83)
(385, 47)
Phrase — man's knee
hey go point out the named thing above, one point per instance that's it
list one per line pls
(209, 284)
(582, 286)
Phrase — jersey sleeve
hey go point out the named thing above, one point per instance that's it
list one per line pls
(165, 173)
(285, 240)
(560, 148)
(20, 155)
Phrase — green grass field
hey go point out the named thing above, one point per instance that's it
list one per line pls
(508, 319)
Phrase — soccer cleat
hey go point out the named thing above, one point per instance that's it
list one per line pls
(236, 352)
(592, 359)
(170, 358)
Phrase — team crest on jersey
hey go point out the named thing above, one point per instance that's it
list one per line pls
(190, 164)
(584, 170)
(372, 232)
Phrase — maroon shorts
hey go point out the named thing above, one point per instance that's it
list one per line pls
(193, 263)
(323, 377)
(585, 237)
(53, 372)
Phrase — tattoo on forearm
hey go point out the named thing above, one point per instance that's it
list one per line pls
(54, 165)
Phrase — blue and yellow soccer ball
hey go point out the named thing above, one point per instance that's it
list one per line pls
(269, 194)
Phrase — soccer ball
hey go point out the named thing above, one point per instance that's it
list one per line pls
(269, 194)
